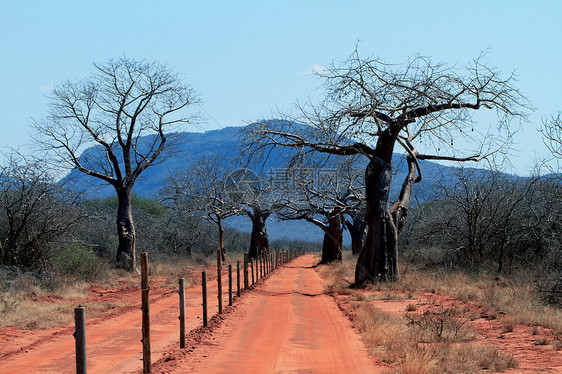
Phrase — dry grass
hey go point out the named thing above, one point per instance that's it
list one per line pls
(508, 324)
(514, 297)
(439, 339)
(396, 341)
(28, 303)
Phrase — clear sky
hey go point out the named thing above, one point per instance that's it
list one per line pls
(247, 59)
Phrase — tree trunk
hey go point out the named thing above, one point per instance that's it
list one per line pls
(332, 244)
(356, 230)
(125, 230)
(259, 242)
(221, 240)
(378, 258)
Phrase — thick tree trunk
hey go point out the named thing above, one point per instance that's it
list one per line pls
(332, 244)
(356, 230)
(125, 231)
(378, 258)
(259, 242)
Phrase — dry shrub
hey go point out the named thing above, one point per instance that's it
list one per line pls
(418, 360)
(411, 307)
(541, 341)
(440, 324)
(508, 324)
(471, 358)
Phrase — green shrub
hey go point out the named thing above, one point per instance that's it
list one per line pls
(78, 261)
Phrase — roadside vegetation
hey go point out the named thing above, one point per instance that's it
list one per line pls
(429, 335)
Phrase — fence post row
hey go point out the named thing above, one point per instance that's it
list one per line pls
(80, 337)
(146, 360)
(181, 284)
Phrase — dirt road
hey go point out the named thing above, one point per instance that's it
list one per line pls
(287, 325)
(113, 344)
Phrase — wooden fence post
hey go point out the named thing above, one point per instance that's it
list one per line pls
(204, 295)
(219, 280)
(238, 278)
(181, 283)
(266, 263)
(146, 360)
(252, 267)
(230, 284)
(80, 337)
(245, 271)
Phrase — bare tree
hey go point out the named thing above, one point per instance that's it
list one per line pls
(35, 212)
(255, 198)
(481, 216)
(552, 132)
(113, 109)
(370, 107)
(201, 190)
(322, 197)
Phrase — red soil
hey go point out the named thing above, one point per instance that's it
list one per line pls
(286, 324)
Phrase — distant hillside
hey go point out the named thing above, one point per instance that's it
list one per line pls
(188, 147)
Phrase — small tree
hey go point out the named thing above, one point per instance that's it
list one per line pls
(113, 109)
(371, 107)
(201, 190)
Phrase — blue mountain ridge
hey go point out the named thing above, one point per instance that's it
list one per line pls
(187, 147)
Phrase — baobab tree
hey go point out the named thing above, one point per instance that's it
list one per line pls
(253, 197)
(322, 197)
(120, 103)
(370, 107)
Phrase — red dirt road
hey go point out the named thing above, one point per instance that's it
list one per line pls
(113, 344)
(287, 325)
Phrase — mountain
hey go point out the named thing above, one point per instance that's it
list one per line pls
(187, 147)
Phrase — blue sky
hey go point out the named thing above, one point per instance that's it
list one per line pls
(247, 59)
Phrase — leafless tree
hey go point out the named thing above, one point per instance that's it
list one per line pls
(35, 211)
(483, 215)
(201, 190)
(372, 106)
(113, 109)
(254, 197)
(552, 132)
(322, 197)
